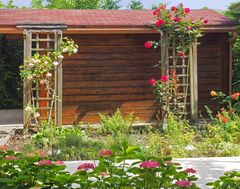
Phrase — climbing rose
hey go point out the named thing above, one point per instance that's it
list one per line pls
(159, 23)
(213, 93)
(11, 158)
(148, 44)
(173, 8)
(188, 28)
(155, 12)
(176, 19)
(180, 5)
(205, 21)
(181, 54)
(106, 152)
(190, 170)
(86, 166)
(164, 79)
(44, 162)
(187, 10)
(59, 162)
(184, 183)
(224, 119)
(149, 164)
(152, 81)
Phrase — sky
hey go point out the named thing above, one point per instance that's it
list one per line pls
(194, 4)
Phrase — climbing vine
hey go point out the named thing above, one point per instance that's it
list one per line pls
(178, 34)
(38, 71)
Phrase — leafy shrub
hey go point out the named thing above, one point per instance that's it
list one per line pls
(65, 143)
(230, 180)
(116, 124)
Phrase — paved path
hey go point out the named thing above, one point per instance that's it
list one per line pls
(208, 169)
(11, 117)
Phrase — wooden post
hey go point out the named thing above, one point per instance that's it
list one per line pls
(26, 83)
(194, 82)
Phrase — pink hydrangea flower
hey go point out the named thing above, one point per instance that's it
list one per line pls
(106, 152)
(44, 162)
(190, 170)
(86, 166)
(184, 183)
(11, 158)
(59, 162)
(152, 81)
(149, 164)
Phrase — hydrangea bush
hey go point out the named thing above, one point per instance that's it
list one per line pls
(118, 167)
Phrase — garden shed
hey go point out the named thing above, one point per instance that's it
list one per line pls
(112, 67)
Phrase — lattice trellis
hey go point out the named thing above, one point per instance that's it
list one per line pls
(42, 39)
(186, 71)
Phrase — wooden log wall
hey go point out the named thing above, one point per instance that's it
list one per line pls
(112, 71)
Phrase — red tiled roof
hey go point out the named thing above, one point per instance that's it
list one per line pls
(99, 18)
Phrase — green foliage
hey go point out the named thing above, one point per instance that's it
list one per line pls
(230, 180)
(11, 57)
(76, 4)
(233, 12)
(135, 5)
(116, 124)
(114, 170)
(64, 143)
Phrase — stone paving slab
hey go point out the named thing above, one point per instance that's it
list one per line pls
(208, 169)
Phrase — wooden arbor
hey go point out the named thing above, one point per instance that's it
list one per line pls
(186, 71)
(42, 38)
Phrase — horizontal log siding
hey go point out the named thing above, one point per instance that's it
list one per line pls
(112, 71)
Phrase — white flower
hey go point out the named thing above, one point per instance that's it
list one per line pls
(28, 109)
(65, 50)
(60, 57)
(190, 147)
(36, 61)
(30, 65)
(48, 75)
(46, 62)
(37, 115)
(30, 77)
(75, 51)
(42, 82)
(55, 63)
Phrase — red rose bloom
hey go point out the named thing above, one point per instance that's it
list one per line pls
(190, 170)
(155, 12)
(235, 96)
(159, 23)
(181, 54)
(187, 10)
(86, 166)
(184, 183)
(152, 81)
(148, 44)
(176, 19)
(205, 21)
(188, 28)
(164, 79)
(149, 164)
(173, 8)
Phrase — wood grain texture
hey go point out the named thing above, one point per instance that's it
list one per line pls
(112, 71)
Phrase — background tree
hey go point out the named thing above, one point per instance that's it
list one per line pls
(135, 5)
(111, 4)
(233, 12)
(37, 4)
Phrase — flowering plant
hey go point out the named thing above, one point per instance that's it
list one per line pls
(178, 34)
(38, 70)
(228, 117)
